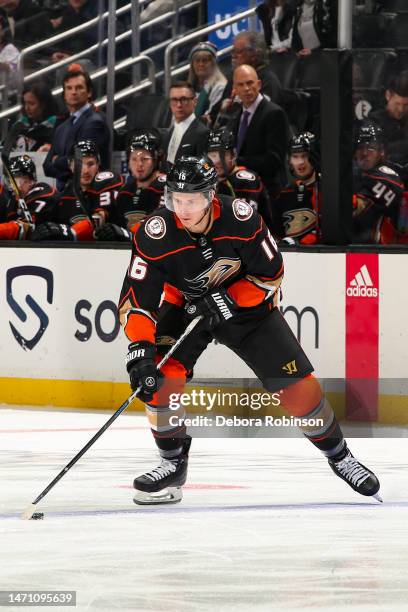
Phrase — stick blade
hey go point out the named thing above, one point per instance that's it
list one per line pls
(28, 512)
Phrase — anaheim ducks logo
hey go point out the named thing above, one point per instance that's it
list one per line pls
(214, 276)
(242, 210)
(296, 222)
(155, 227)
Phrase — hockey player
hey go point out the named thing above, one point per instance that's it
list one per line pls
(39, 198)
(143, 191)
(233, 180)
(80, 210)
(296, 212)
(223, 264)
(378, 190)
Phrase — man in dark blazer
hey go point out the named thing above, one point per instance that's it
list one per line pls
(261, 129)
(83, 123)
(188, 135)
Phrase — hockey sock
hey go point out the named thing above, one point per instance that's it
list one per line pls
(168, 429)
(304, 399)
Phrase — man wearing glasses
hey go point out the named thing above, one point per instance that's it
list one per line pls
(188, 136)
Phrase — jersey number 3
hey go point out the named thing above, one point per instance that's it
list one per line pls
(138, 269)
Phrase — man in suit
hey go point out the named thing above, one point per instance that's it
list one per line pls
(261, 129)
(188, 136)
(83, 123)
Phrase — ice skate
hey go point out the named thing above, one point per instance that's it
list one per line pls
(360, 478)
(162, 485)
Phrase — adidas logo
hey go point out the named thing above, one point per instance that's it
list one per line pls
(362, 285)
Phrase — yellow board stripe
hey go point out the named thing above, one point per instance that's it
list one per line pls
(87, 394)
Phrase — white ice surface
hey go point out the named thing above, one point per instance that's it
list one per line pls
(264, 524)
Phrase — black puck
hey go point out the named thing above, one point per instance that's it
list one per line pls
(37, 516)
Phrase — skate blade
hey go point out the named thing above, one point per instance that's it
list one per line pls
(171, 495)
(378, 497)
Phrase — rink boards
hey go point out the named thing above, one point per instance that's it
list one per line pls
(61, 344)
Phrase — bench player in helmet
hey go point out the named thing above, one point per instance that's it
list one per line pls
(223, 264)
(144, 189)
(40, 199)
(296, 212)
(233, 180)
(75, 217)
(378, 189)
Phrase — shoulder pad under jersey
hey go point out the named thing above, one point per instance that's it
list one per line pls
(40, 190)
(159, 183)
(238, 219)
(104, 181)
(158, 235)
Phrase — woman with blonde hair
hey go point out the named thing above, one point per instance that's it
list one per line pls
(206, 78)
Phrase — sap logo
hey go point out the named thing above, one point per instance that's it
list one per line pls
(229, 30)
(25, 271)
(82, 309)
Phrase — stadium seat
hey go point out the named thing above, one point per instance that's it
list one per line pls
(284, 66)
(149, 110)
(309, 72)
(373, 67)
(369, 31)
(397, 31)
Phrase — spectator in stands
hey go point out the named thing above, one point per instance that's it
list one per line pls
(378, 190)
(261, 129)
(315, 26)
(84, 123)
(394, 118)
(9, 55)
(27, 22)
(296, 213)
(188, 136)
(276, 17)
(34, 129)
(206, 78)
(249, 48)
(76, 13)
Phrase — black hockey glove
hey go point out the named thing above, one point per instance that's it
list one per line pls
(110, 231)
(216, 307)
(52, 231)
(141, 365)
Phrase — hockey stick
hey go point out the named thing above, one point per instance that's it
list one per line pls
(76, 181)
(21, 202)
(30, 510)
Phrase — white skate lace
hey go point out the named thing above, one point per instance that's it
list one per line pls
(351, 469)
(164, 469)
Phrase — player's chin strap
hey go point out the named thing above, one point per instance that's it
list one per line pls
(30, 510)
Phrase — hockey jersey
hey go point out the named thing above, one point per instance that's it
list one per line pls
(246, 185)
(134, 203)
(237, 251)
(96, 203)
(377, 202)
(296, 212)
(40, 202)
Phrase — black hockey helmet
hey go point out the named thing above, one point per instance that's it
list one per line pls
(221, 140)
(148, 140)
(370, 133)
(85, 148)
(23, 165)
(191, 175)
(306, 142)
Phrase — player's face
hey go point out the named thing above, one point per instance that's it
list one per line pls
(141, 164)
(76, 93)
(229, 162)
(24, 184)
(302, 168)
(90, 168)
(189, 208)
(368, 156)
(397, 106)
(182, 103)
(32, 106)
